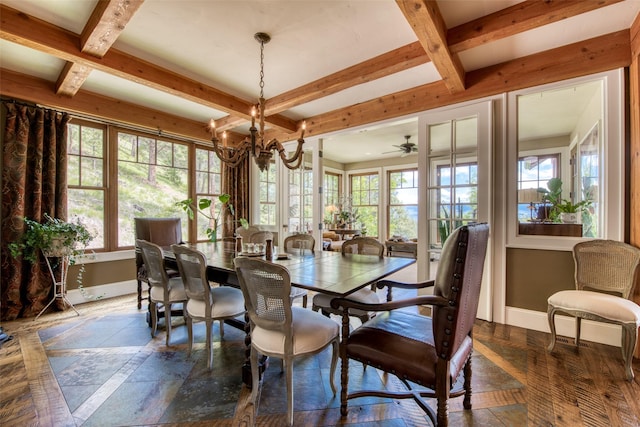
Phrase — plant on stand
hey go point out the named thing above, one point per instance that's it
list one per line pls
(56, 239)
(205, 207)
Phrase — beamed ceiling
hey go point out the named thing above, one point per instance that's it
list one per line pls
(357, 71)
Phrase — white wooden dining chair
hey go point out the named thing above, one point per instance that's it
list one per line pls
(278, 329)
(204, 303)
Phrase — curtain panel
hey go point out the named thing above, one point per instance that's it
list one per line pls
(34, 182)
(235, 182)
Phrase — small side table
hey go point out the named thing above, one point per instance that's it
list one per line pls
(59, 287)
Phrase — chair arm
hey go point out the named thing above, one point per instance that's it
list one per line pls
(392, 284)
(390, 305)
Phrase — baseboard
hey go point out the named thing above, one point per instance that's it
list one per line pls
(108, 290)
(599, 332)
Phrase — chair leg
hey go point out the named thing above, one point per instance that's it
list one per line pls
(578, 325)
(190, 333)
(334, 362)
(443, 387)
(167, 321)
(629, 339)
(255, 377)
(289, 375)
(153, 308)
(466, 403)
(209, 328)
(551, 312)
(344, 366)
(221, 328)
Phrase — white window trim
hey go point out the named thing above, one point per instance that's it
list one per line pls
(613, 160)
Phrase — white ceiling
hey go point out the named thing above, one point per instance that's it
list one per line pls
(212, 41)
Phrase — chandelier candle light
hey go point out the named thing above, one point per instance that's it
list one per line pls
(255, 144)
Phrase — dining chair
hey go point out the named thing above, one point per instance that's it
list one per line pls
(260, 236)
(356, 245)
(204, 303)
(245, 232)
(434, 351)
(278, 329)
(163, 290)
(605, 272)
(164, 232)
(299, 244)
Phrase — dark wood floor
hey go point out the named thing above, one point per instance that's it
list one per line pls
(104, 369)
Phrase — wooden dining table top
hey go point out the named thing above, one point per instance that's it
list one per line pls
(325, 271)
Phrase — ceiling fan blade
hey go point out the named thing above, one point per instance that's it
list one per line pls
(389, 152)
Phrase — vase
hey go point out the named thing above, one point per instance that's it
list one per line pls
(569, 217)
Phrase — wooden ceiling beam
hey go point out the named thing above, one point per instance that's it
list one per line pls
(37, 34)
(107, 21)
(428, 24)
(516, 19)
(595, 55)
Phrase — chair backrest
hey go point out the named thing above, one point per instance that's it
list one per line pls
(260, 237)
(192, 265)
(364, 246)
(606, 266)
(298, 243)
(161, 231)
(266, 288)
(458, 279)
(246, 232)
(154, 261)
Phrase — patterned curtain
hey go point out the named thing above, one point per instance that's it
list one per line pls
(34, 182)
(235, 182)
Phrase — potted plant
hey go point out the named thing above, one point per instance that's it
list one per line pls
(54, 237)
(204, 206)
(550, 197)
(568, 211)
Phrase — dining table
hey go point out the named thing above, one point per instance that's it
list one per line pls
(332, 273)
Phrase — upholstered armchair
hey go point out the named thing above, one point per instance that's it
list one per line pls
(432, 351)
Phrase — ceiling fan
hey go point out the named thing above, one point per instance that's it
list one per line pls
(405, 148)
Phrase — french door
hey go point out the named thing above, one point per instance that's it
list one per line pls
(455, 147)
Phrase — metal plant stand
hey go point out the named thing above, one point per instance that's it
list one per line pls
(59, 287)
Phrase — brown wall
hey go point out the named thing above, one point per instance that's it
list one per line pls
(101, 273)
(533, 275)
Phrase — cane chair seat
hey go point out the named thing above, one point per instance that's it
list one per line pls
(278, 329)
(605, 273)
(204, 303)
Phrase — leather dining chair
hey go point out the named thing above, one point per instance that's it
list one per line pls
(605, 272)
(431, 351)
(278, 329)
(356, 245)
(163, 290)
(204, 303)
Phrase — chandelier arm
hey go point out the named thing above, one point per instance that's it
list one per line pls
(232, 159)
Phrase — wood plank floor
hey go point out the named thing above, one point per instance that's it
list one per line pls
(64, 370)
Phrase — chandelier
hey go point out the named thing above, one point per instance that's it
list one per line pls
(255, 144)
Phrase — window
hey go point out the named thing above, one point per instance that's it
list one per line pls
(300, 199)
(268, 185)
(152, 176)
(332, 194)
(534, 172)
(208, 186)
(365, 193)
(458, 201)
(86, 177)
(403, 203)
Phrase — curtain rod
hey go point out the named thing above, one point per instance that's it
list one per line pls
(103, 121)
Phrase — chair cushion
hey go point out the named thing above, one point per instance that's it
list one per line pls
(311, 332)
(363, 295)
(402, 343)
(606, 306)
(176, 291)
(227, 302)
